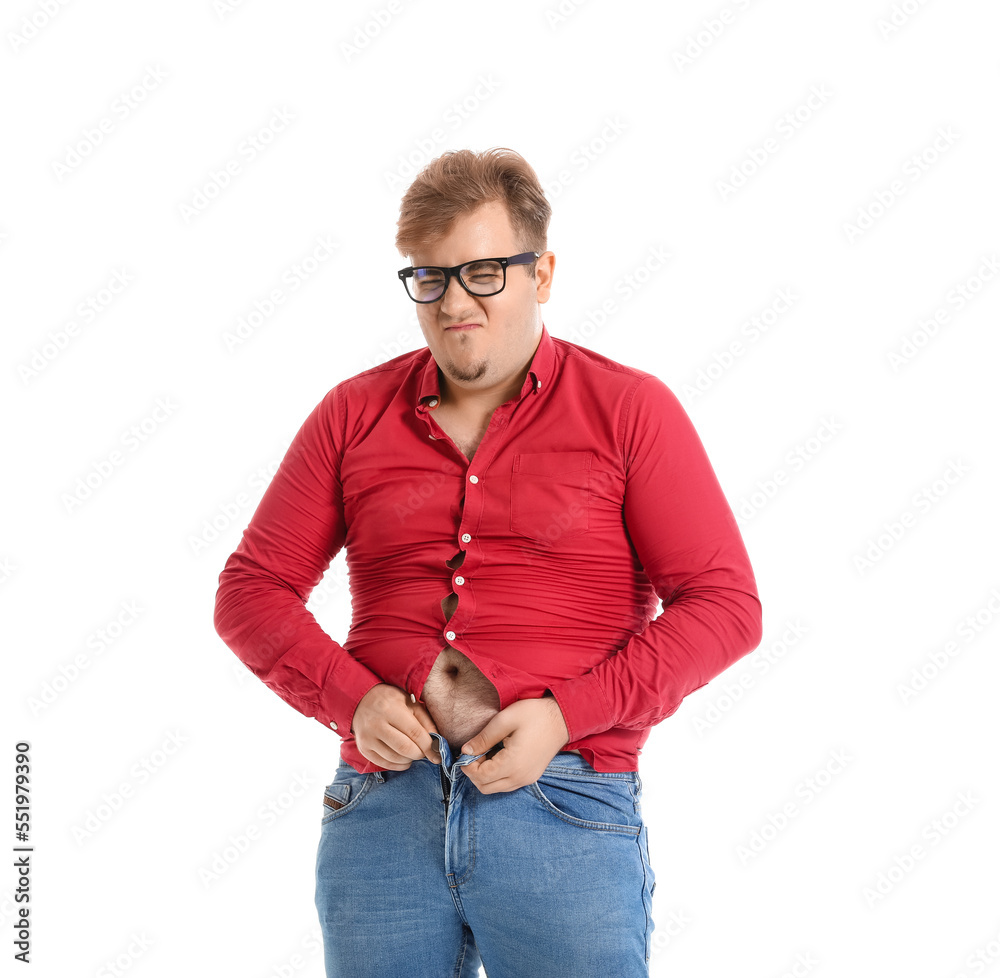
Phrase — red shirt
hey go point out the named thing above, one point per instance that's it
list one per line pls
(589, 498)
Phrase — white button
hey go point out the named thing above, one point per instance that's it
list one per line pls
(473, 478)
(466, 537)
(333, 723)
(450, 636)
(539, 385)
(433, 402)
(460, 580)
(413, 697)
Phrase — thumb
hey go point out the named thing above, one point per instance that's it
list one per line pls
(494, 731)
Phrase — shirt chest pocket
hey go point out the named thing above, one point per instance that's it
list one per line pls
(550, 494)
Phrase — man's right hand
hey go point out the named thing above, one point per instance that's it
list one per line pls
(391, 731)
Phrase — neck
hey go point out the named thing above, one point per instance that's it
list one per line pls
(473, 401)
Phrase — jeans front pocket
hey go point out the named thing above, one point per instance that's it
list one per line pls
(550, 494)
(345, 792)
(607, 804)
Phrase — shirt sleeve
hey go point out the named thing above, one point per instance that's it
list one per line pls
(689, 544)
(294, 534)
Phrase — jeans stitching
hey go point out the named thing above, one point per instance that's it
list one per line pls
(648, 911)
(583, 823)
(461, 953)
(355, 799)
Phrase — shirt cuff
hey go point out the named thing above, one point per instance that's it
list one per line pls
(584, 706)
(345, 686)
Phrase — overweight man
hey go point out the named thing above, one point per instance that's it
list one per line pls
(514, 507)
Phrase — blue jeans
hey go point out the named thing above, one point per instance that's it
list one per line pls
(420, 875)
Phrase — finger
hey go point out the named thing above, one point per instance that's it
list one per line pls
(426, 721)
(496, 730)
(486, 772)
(424, 718)
(405, 740)
(380, 758)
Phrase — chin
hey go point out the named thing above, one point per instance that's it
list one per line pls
(477, 373)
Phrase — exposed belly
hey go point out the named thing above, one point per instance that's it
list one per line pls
(459, 698)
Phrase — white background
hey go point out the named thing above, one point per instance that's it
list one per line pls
(874, 205)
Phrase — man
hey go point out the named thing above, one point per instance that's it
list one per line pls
(513, 506)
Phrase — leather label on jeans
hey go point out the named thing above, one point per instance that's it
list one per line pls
(332, 802)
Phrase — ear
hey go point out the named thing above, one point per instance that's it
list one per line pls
(544, 269)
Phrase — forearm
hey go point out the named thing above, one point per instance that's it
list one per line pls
(268, 627)
(692, 641)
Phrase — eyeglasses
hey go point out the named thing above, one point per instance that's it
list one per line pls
(486, 276)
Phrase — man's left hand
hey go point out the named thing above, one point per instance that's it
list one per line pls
(533, 732)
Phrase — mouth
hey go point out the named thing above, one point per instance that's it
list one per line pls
(461, 326)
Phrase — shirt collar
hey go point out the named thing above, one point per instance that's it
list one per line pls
(539, 372)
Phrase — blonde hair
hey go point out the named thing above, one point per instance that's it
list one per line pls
(458, 182)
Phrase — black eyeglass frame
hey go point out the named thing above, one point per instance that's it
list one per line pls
(525, 258)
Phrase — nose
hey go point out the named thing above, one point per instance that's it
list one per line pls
(456, 301)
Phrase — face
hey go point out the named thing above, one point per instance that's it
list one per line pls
(481, 344)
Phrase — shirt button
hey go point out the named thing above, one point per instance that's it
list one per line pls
(473, 478)
(466, 537)
(433, 402)
(333, 724)
(413, 697)
(459, 580)
(450, 636)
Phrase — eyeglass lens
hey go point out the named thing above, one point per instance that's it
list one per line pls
(480, 277)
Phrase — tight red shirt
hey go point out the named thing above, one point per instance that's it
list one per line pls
(589, 499)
